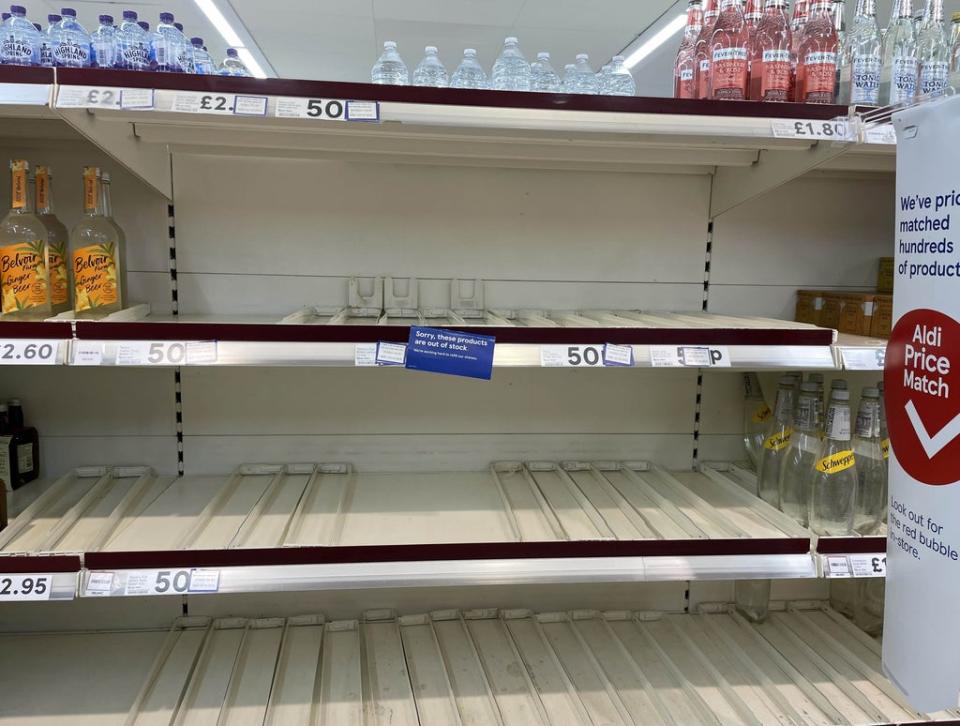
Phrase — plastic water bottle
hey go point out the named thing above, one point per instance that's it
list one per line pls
(430, 71)
(569, 78)
(603, 80)
(511, 72)
(103, 44)
(542, 76)
(71, 42)
(185, 55)
(20, 42)
(202, 61)
(144, 26)
(469, 73)
(233, 66)
(133, 44)
(46, 45)
(166, 45)
(621, 82)
(584, 79)
(390, 70)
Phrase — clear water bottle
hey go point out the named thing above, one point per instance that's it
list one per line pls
(71, 42)
(430, 71)
(603, 79)
(797, 469)
(144, 26)
(756, 415)
(233, 66)
(621, 82)
(955, 50)
(185, 54)
(933, 53)
(46, 45)
(542, 76)
(469, 73)
(569, 78)
(133, 44)
(511, 72)
(871, 466)
(898, 74)
(203, 64)
(166, 45)
(390, 70)
(20, 42)
(104, 49)
(862, 58)
(584, 78)
(833, 488)
(775, 443)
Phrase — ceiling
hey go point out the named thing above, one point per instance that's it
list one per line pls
(340, 39)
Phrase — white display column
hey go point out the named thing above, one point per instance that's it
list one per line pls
(921, 644)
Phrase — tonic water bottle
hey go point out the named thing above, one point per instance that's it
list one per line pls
(801, 456)
(871, 467)
(756, 416)
(933, 53)
(833, 486)
(898, 74)
(775, 443)
(862, 59)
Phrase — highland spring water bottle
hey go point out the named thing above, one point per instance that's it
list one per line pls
(104, 51)
(46, 45)
(20, 41)
(71, 43)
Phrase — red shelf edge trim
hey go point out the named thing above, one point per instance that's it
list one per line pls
(851, 545)
(35, 329)
(22, 564)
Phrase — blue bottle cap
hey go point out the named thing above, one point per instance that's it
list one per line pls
(106, 19)
(68, 12)
(129, 14)
(232, 52)
(37, 26)
(18, 10)
(53, 18)
(178, 26)
(166, 18)
(143, 24)
(196, 41)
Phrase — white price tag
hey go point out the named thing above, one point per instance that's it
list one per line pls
(869, 565)
(618, 356)
(99, 584)
(571, 356)
(136, 98)
(836, 130)
(14, 588)
(171, 582)
(88, 97)
(213, 103)
(29, 352)
(204, 581)
(322, 109)
(836, 566)
(363, 111)
(391, 354)
(689, 356)
(201, 352)
(365, 354)
(863, 359)
(87, 353)
(165, 353)
(250, 106)
(883, 134)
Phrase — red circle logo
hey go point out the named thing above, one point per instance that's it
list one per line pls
(921, 382)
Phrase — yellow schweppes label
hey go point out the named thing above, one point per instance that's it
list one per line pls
(779, 440)
(885, 448)
(841, 461)
(761, 414)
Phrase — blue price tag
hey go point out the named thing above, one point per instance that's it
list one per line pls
(438, 350)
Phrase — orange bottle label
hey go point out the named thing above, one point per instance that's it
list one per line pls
(94, 277)
(57, 267)
(23, 276)
(18, 186)
(43, 187)
(91, 191)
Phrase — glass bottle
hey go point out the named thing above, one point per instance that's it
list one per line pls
(817, 56)
(728, 54)
(57, 239)
(106, 200)
(955, 50)
(702, 52)
(839, 11)
(894, 14)
(833, 486)
(862, 58)
(98, 257)
(19, 449)
(752, 599)
(775, 443)
(770, 68)
(885, 453)
(898, 74)
(756, 415)
(933, 53)
(817, 378)
(684, 70)
(871, 468)
(801, 455)
(797, 24)
(24, 282)
(869, 603)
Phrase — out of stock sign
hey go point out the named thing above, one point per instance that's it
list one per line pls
(921, 636)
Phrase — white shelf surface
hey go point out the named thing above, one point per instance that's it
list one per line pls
(806, 665)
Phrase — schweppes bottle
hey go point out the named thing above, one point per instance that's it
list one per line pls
(833, 489)
(775, 442)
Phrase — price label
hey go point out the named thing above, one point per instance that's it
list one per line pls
(571, 356)
(365, 355)
(883, 134)
(618, 356)
(836, 566)
(870, 565)
(863, 359)
(88, 97)
(171, 582)
(87, 353)
(688, 356)
(165, 353)
(391, 354)
(136, 98)
(219, 104)
(19, 588)
(835, 130)
(29, 352)
(99, 584)
(326, 109)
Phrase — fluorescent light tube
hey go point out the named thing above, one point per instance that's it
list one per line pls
(658, 39)
(220, 23)
(250, 62)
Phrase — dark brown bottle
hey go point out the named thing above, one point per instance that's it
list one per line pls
(19, 449)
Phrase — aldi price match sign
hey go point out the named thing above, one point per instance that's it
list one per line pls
(921, 634)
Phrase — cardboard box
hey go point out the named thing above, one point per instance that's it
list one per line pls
(856, 313)
(809, 304)
(885, 276)
(882, 316)
(831, 311)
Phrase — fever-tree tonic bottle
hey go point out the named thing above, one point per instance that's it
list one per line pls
(833, 487)
(97, 253)
(24, 282)
(57, 239)
(775, 443)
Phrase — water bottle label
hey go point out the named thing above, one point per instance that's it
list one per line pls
(903, 86)
(46, 54)
(71, 53)
(135, 55)
(17, 50)
(835, 463)
(865, 86)
(778, 440)
(183, 58)
(933, 79)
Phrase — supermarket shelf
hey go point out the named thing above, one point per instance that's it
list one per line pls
(860, 353)
(805, 664)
